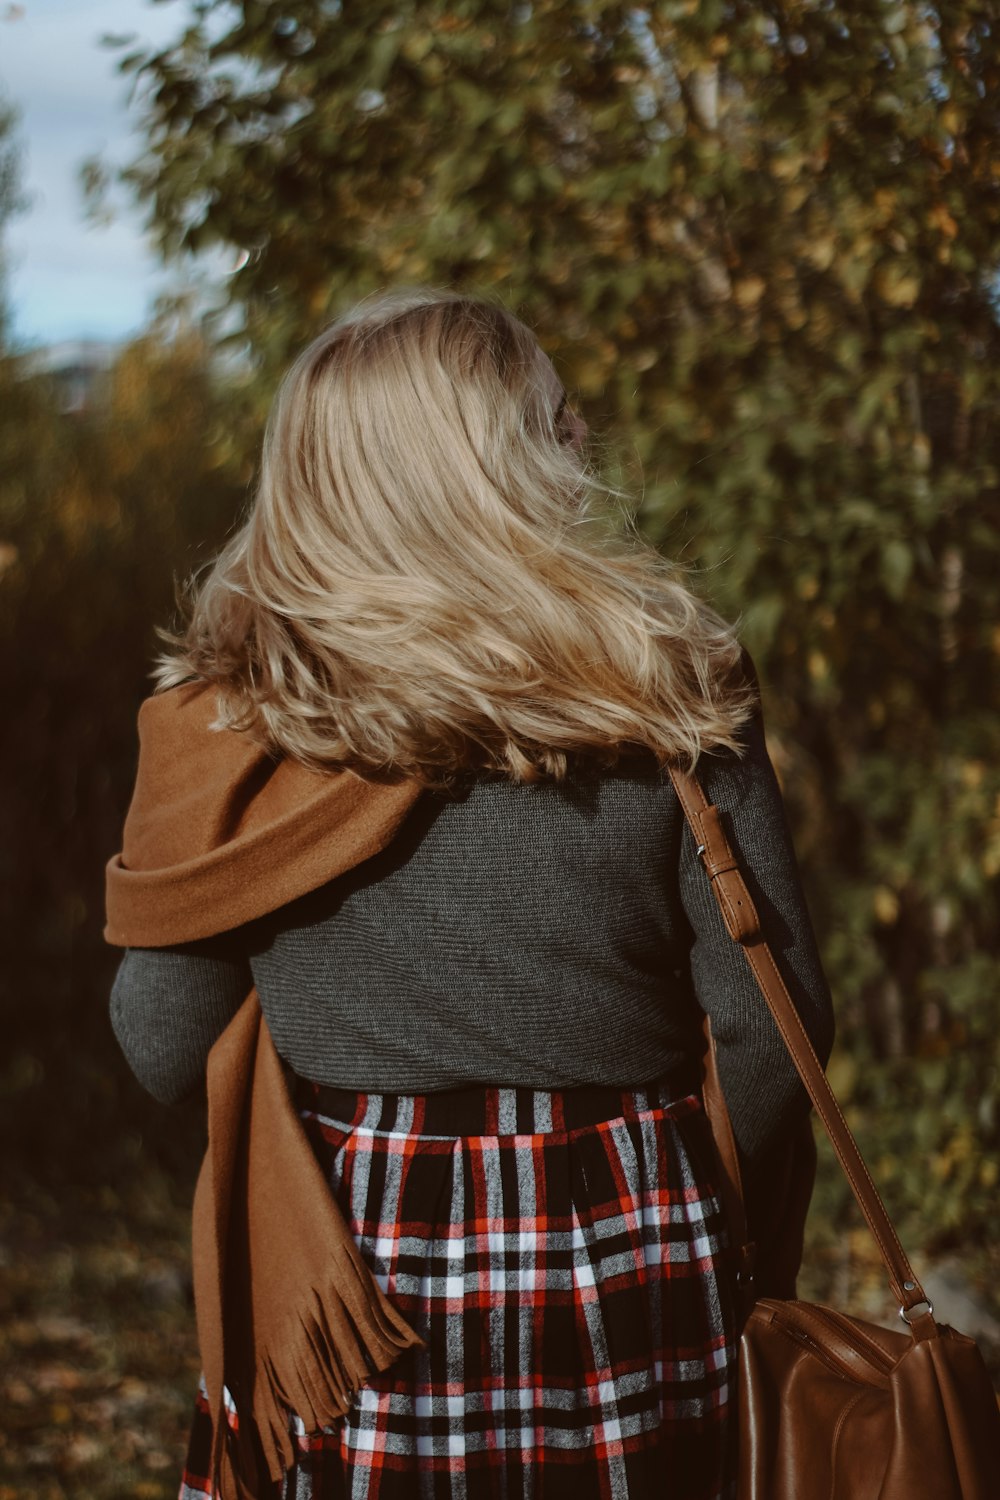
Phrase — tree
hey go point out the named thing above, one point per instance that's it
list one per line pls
(100, 512)
(762, 240)
(12, 199)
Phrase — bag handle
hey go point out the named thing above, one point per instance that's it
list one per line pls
(743, 925)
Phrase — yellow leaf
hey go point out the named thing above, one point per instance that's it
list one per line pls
(795, 195)
(417, 45)
(820, 252)
(840, 1072)
(897, 287)
(787, 166)
(941, 1167)
(940, 218)
(886, 905)
(748, 292)
(990, 862)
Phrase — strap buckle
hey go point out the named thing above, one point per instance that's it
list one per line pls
(726, 879)
(904, 1310)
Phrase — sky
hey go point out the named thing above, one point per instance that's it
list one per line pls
(67, 279)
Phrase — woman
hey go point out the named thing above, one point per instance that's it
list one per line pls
(491, 1026)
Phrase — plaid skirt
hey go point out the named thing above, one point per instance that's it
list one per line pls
(561, 1252)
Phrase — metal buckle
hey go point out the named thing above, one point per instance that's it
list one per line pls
(903, 1310)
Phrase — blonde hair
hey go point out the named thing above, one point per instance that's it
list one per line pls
(426, 582)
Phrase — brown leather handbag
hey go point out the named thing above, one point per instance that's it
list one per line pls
(831, 1407)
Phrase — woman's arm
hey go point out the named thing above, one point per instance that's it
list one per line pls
(762, 1088)
(169, 1005)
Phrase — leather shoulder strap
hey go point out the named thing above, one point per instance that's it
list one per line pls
(743, 925)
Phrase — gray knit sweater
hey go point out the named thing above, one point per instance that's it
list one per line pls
(541, 935)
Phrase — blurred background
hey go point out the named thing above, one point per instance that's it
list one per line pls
(762, 244)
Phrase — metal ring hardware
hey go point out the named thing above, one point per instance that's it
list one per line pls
(903, 1310)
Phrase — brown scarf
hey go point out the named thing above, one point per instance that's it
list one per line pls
(217, 834)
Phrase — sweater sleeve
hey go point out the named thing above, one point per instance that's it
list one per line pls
(763, 1090)
(169, 1005)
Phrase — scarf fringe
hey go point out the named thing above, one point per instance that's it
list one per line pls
(314, 1367)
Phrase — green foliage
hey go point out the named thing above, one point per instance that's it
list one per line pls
(762, 244)
(12, 199)
(99, 511)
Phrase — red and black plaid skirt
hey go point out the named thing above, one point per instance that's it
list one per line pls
(562, 1254)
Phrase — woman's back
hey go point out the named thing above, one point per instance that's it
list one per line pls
(544, 935)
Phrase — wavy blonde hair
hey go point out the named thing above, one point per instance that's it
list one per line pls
(427, 582)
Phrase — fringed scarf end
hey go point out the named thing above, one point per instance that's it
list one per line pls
(316, 1365)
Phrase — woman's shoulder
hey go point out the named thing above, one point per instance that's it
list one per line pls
(219, 830)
